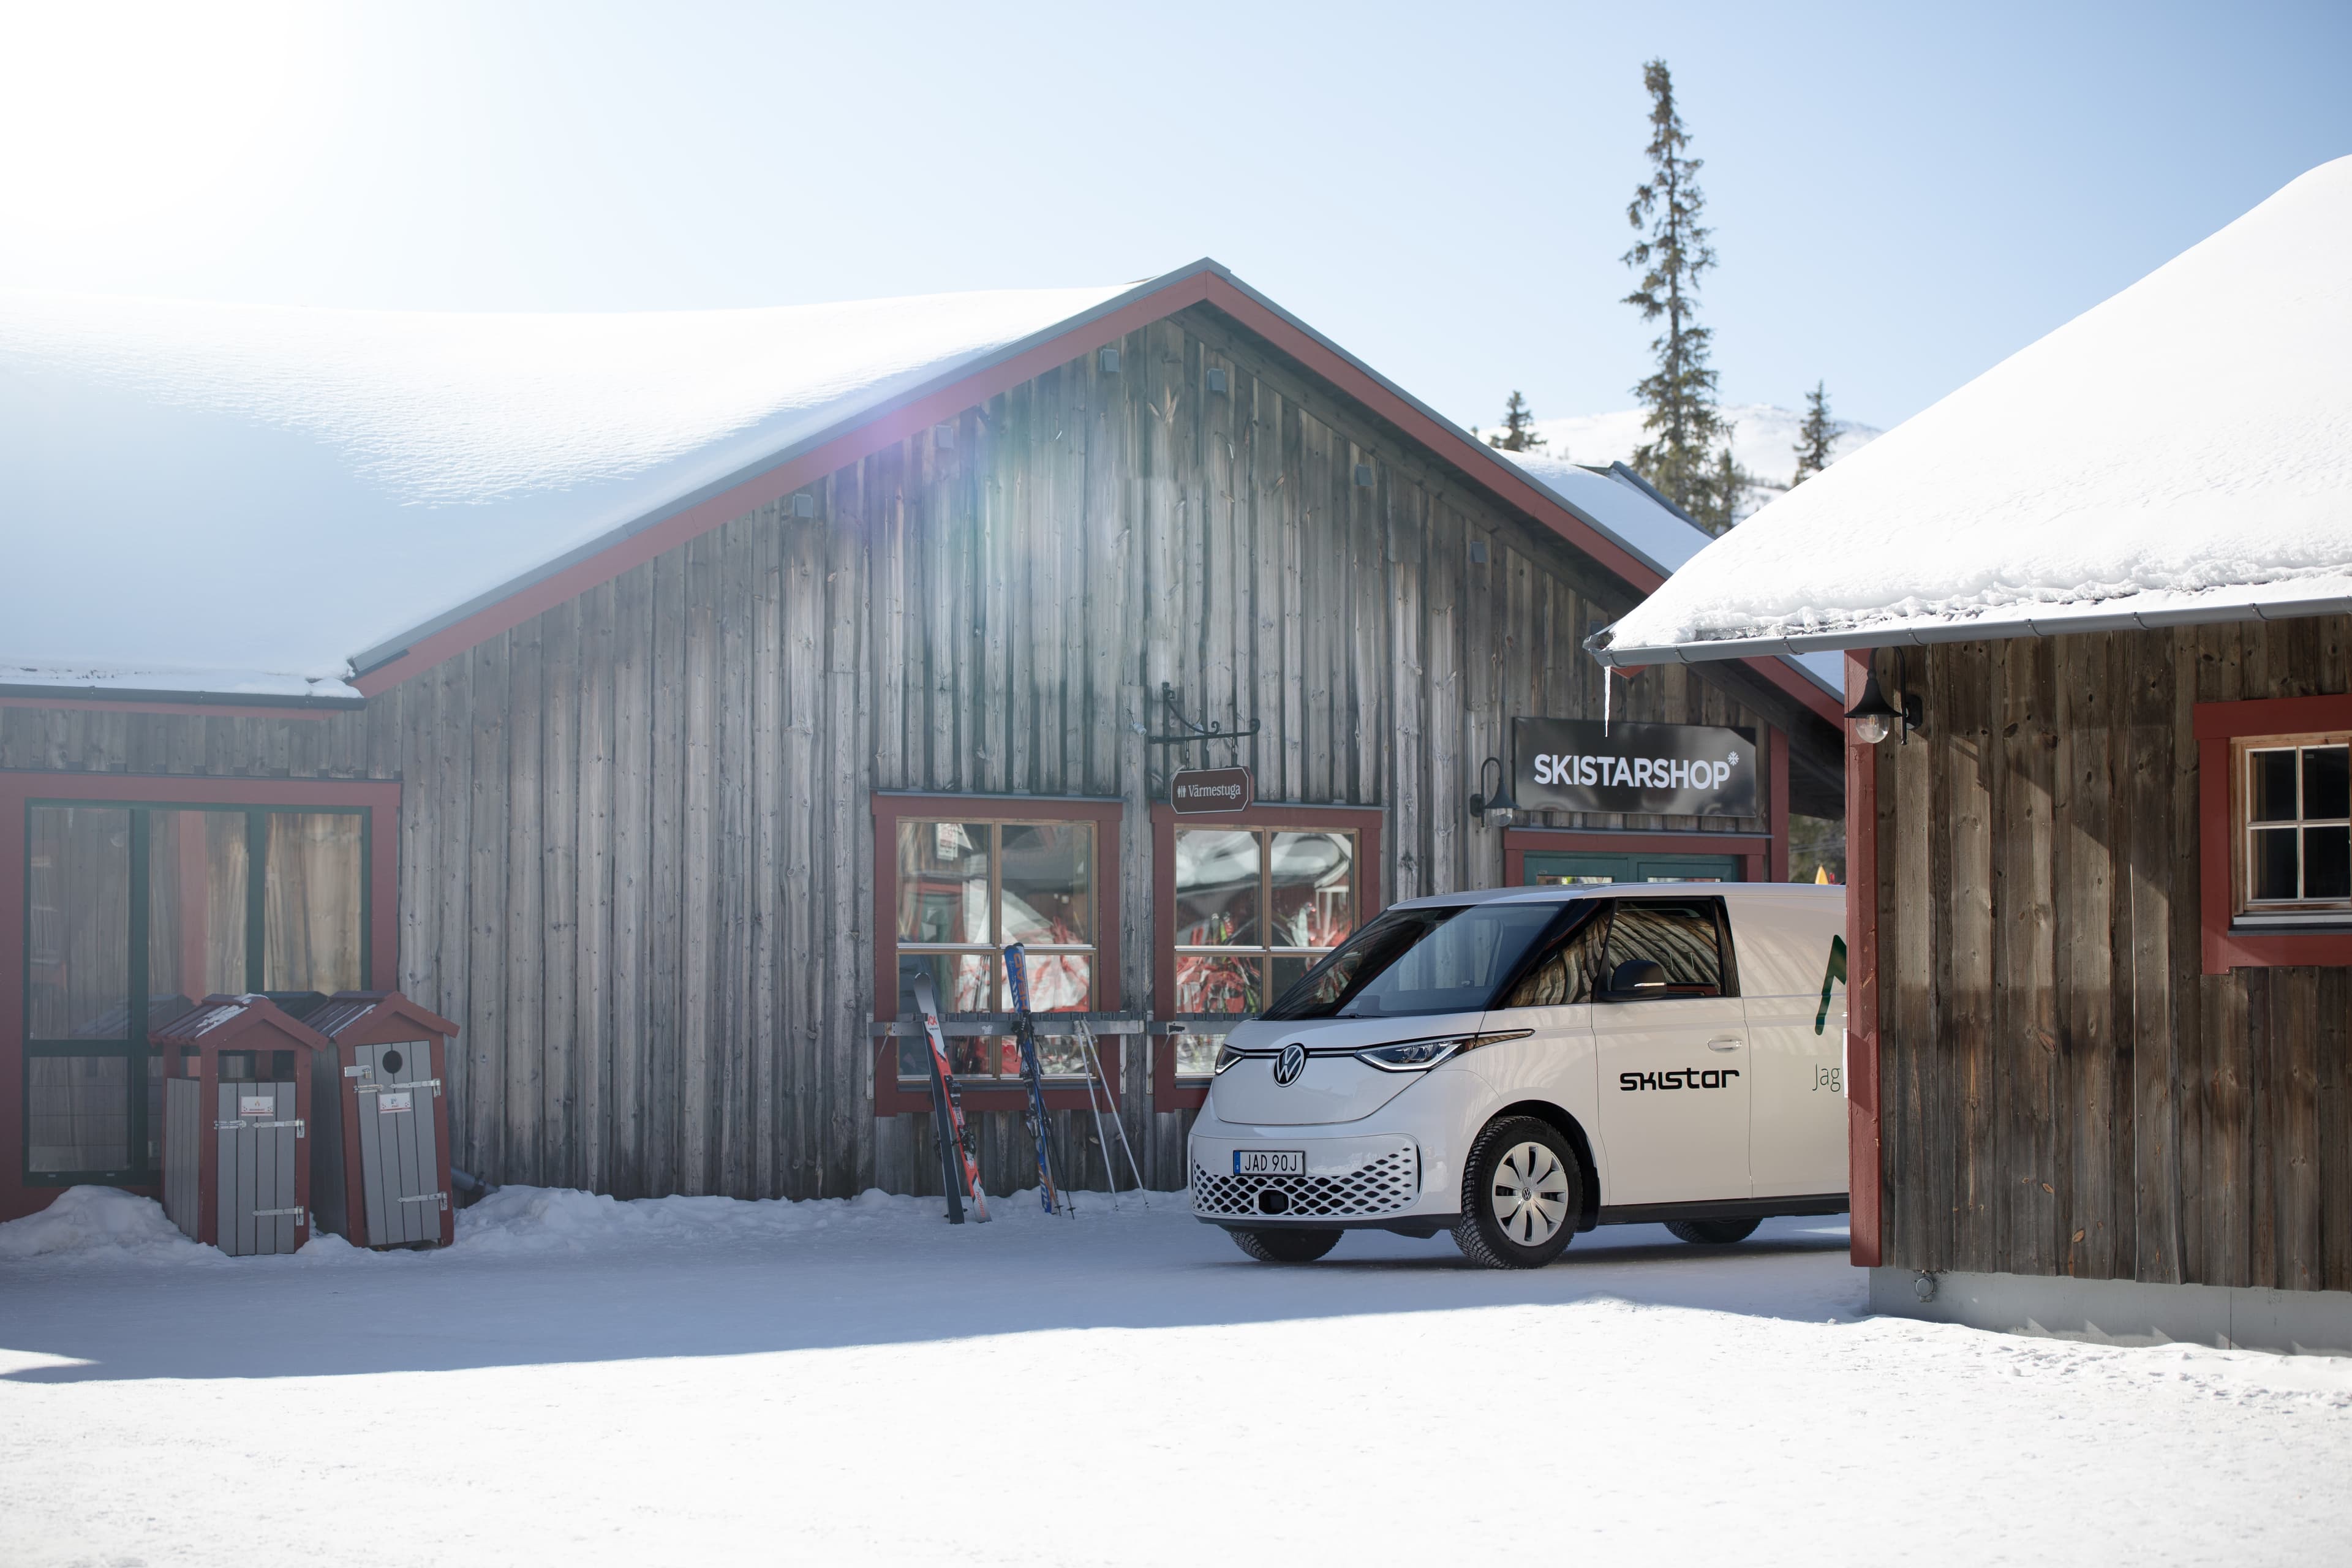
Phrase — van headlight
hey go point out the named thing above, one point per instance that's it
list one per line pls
(1419, 1056)
(1227, 1056)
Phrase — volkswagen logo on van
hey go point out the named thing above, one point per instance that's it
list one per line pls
(1290, 1064)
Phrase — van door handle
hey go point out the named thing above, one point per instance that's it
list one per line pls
(1725, 1043)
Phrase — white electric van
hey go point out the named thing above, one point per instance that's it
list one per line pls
(1520, 1065)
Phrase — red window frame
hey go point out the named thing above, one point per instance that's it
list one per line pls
(1364, 822)
(381, 798)
(891, 1099)
(2216, 725)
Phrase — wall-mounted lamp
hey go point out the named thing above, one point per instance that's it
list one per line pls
(1873, 718)
(1493, 804)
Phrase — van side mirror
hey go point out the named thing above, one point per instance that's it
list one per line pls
(1637, 978)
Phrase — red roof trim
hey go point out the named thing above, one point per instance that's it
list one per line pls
(1203, 284)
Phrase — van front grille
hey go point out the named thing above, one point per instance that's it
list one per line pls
(1382, 1184)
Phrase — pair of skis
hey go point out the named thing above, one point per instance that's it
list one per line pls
(958, 1169)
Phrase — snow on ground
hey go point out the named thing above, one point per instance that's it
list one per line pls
(699, 1380)
(2181, 451)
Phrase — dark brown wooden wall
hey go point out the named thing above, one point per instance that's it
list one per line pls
(2062, 1091)
(635, 835)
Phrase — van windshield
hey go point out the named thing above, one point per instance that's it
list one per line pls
(1442, 960)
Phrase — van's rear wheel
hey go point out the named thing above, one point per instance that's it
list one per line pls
(1712, 1232)
(1522, 1196)
(1285, 1246)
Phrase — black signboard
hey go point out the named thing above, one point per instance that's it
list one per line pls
(1199, 792)
(1671, 769)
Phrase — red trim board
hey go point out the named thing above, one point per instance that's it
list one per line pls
(2216, 724)
(1365, 821)
(1863, 1169)
(890, 1098)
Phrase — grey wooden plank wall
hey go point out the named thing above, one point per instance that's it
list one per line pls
(635, 842)
(2064, 1090)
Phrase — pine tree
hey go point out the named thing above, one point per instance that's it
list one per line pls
(1816, 436)
(1682, 456)
(1518, 428)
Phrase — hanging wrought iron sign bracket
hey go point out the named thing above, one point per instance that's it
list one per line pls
(1183, 732)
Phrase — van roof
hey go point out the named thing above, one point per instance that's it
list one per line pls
(1557, 894)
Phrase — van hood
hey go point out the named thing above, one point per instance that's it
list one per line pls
(1335, 1087)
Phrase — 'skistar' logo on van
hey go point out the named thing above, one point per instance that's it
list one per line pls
(1290, 1063)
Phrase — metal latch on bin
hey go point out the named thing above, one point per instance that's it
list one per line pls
(240, 1125)
(441, 1198)
(272, 1213)
(432, 1083)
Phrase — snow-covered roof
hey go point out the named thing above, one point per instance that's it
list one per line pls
(1642, 522)
(239, 498)
(2179, 453)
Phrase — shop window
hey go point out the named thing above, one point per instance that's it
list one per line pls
(1255, 908)
(2291, 821)
(964, 891)
(136, 912)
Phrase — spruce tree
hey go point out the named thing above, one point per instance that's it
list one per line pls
(1816, 436)
(1682, 456)
(1518, 427)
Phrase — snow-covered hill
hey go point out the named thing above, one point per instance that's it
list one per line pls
(1763, 442)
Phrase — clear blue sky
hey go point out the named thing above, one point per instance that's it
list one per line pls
(1902, 194)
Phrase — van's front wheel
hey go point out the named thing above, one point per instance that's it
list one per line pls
(1285, 1246)
(1522, 1196)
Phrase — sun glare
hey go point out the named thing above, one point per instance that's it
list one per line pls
(174, 123)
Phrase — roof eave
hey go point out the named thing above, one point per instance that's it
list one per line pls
(1928, 633)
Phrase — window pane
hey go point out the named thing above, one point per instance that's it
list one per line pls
(1288, 973)
(1218, 983)
(79, 1116)
(2326, 783)
(2271, 776)
(195, 908)
(943, 881)
(1569, 974)
(1058, 982)
(1049, 882)
(1196, 1054)
(79, 943)
(311, 939)
(1678, 937)
(1061, 1056)
(1314, 877)
(959, 980)
(2327, 862)
(1217, 888)
(2273, 863)
(984, 1055)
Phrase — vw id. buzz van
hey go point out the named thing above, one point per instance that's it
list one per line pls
(1520, 1065)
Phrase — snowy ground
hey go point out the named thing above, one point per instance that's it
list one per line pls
(697, 1380)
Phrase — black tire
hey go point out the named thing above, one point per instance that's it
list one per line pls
(1505, 1188)
(1712, 1232)
(1285, 1246)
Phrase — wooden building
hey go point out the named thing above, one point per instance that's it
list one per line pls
(645, 694)
(2100, 803)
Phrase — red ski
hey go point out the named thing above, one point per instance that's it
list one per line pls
(954, 1141)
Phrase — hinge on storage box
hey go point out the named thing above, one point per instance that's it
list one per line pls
(234, 1126)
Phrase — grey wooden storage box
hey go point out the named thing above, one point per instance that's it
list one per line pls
(380, 1172)
(237, 1121)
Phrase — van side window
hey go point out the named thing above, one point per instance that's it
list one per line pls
(1681, 936)
(1568, 973)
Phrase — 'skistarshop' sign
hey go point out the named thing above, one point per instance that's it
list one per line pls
(1672, 769)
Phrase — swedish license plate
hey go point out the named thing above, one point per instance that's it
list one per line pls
(1269, 1163)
